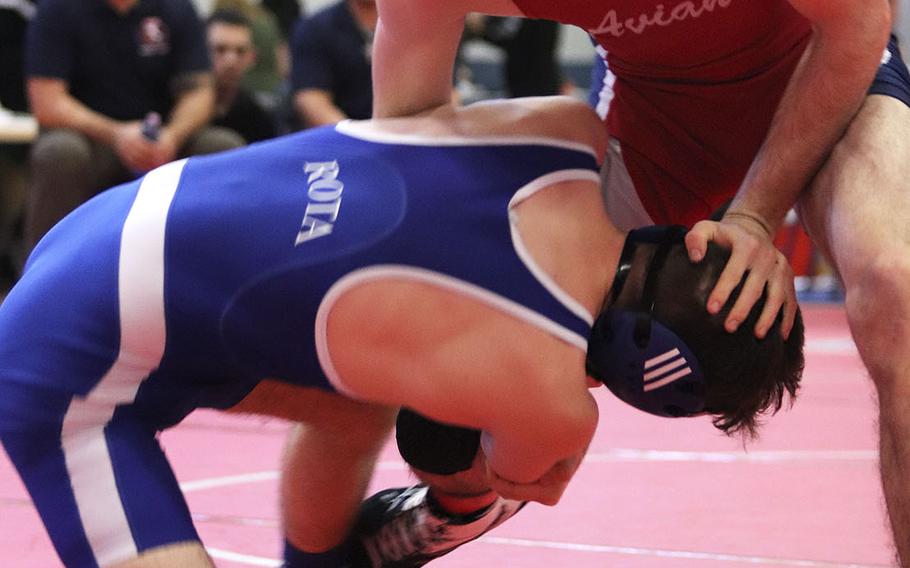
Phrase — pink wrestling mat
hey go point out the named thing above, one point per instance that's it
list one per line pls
(652, 493)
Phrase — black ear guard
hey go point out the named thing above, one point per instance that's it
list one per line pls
(642, 361)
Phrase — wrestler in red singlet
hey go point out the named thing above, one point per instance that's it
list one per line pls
(696, 86)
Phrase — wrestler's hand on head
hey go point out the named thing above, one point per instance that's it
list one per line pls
(752, 250)
(546, 490)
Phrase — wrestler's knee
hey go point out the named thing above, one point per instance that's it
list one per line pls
(878, 310)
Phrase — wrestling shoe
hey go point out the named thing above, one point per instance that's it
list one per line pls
(404, 527)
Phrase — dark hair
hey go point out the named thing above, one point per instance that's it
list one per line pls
(229, 17)
(745, 377)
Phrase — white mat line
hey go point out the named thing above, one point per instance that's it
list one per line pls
(610, 456)
(658, 553)
(248, 559)
(596, 549)
(766, 456)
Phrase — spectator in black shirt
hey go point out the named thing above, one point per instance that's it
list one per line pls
(230, 41)
(287, 12)
(14, 17)
(331, 63)
(531, 68)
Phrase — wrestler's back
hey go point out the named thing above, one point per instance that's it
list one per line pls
(370, 203)
(284, 221)
(252, 241)
(236, 220)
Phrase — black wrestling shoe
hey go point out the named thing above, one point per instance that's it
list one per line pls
(404, 527)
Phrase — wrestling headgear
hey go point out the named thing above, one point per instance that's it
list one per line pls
(639, 358)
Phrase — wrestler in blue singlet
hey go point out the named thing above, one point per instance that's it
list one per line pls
(185, 288)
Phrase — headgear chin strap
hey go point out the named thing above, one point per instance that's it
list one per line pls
(642, 361)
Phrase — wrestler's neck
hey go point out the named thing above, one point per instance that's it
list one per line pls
(570, 237)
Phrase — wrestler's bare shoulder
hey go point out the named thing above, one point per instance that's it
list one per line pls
(449, 8)
(563, 118)
(394, 341)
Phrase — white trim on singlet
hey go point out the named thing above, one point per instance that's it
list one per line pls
(545, 280)
(384, 271)
(354, 129)
(142, 337)
(25, 9)
(606, 93)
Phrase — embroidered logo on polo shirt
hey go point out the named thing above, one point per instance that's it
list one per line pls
(154, 37)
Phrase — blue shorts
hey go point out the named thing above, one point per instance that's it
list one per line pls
(892, 79)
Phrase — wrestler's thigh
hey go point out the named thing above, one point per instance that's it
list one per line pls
(106, 495)
(859, 204)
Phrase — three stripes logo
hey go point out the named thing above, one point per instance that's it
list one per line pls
(664, 369)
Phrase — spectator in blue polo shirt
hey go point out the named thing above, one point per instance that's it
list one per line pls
(330, 63)
(95, 70)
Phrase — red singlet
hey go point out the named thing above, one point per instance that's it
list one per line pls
(696, 85)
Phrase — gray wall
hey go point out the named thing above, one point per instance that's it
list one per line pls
(902, 23)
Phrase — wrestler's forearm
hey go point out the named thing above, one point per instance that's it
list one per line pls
(414, 51)
(824, 94)
(524, 453)
(412, 72)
